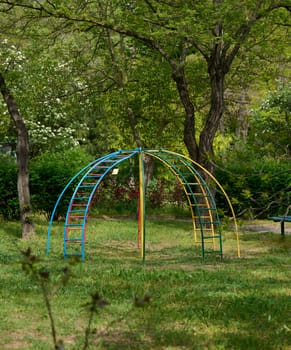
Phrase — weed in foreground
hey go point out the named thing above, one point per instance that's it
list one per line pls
(41, 276)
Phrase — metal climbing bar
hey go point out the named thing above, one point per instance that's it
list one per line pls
(85, 183)
(80, 203)
(204, 213)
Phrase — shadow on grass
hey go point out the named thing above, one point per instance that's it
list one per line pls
(248, 322)
(150, 339)
(11, 228)
(262, 236)
(128, 254)
(179, 256)
(263, 320)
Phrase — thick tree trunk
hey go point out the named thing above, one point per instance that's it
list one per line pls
(149, 167)
(134, 128)
(189, 122)
(202, 153)
(22, 161)
(217, 77)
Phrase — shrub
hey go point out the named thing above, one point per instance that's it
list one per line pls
(156, 193)
(48, 177)
(116, 194)
(9, 205)
(257, 188)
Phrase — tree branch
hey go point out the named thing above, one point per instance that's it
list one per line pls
(150, 5)
(242, 33)
(124, 31)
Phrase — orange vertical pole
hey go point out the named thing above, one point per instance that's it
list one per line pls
(141, 206)
(138, 222)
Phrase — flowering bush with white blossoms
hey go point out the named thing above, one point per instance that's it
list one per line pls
(51, 112)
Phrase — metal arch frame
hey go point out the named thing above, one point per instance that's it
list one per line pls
(89, 201)
(224, 193)
(59, 200)
(207, 194)
(83, 171)
(218, 185)
(161, 155)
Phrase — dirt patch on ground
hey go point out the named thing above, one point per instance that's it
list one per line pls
(252, 226)
(263, 227)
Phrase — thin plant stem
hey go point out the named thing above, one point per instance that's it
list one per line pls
(49, 310)
(87, 333)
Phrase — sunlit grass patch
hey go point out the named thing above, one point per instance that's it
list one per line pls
(194, 303)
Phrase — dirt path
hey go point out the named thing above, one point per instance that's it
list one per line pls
(265, 226)
(262, 226)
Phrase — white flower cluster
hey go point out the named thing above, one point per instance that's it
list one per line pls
(44, 136)
(10, 56)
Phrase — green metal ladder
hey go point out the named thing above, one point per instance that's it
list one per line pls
(202, 205)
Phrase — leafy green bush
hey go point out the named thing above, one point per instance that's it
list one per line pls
(50, 172)
(270, 123)
(257, 187)
(9, 205)
(116, 195)
(49, 175)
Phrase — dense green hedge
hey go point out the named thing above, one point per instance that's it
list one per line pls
(49, 174)
(256, 188)
(9, 206)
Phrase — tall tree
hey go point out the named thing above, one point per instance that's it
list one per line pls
(215, 30)
(180, 32)
(22, 152)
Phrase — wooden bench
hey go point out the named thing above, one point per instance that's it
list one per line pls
(282, 219)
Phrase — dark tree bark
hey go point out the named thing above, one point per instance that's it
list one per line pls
(178, 76)
(217, 77)
(219, 60)
(22, 151)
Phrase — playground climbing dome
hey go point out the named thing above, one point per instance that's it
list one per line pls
(191, 176)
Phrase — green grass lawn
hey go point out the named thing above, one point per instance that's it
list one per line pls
(212, 304)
